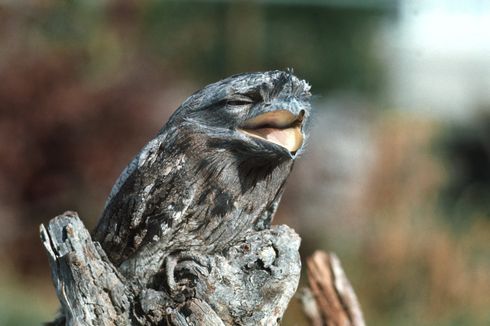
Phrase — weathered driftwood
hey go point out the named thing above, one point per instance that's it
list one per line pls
(250, 283)
(330, 300)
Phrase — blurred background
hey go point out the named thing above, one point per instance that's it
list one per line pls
(396, 178)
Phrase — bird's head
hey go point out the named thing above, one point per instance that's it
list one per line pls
(263, 114)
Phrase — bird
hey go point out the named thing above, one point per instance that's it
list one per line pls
(216, 170)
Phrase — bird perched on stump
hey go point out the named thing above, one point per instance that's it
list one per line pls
(215, 170)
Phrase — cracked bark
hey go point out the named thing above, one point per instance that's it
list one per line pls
(250, 283)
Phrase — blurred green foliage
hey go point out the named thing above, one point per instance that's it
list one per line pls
(330, 46)
(22, 303)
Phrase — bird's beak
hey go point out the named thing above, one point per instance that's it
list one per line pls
(280, 127)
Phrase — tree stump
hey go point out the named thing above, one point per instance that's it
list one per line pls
(250, 283)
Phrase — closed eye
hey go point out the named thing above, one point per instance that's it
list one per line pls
(239, 102)
(251, 97)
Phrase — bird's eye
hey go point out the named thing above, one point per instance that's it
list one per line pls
(238, 102)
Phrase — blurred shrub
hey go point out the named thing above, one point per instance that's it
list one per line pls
(465, 148)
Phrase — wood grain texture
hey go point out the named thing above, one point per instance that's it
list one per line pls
(330, 300)
(251, 283)
(89, 287)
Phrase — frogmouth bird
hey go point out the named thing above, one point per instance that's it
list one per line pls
(215, 170)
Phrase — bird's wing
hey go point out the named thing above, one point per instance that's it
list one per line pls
(144, 201)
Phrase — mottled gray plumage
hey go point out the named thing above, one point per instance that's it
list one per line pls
(201, 182)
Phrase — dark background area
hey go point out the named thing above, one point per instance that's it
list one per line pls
(402, 197)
